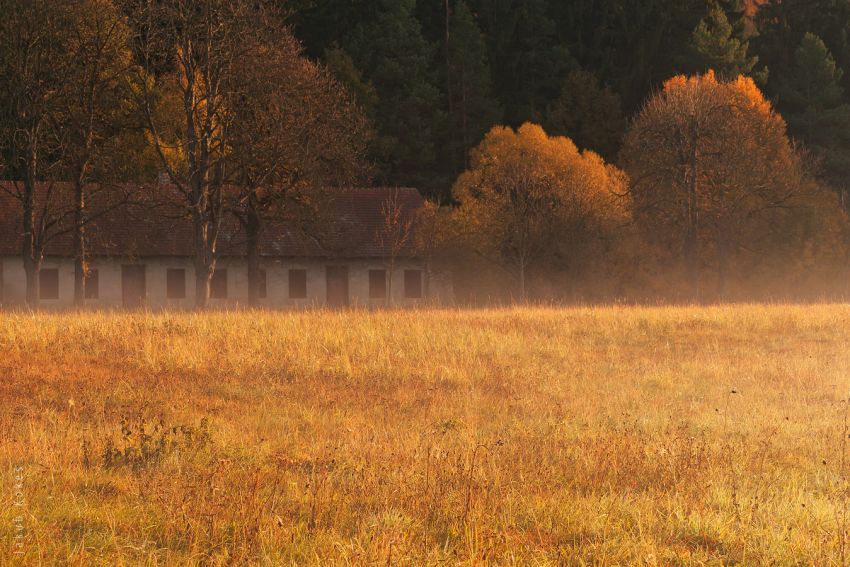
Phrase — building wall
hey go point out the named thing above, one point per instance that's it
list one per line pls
(13, 283)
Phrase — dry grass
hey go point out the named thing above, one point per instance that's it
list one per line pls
(580, 436)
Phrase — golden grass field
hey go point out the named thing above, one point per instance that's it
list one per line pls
(615, 435)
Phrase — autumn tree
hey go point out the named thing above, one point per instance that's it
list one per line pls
(194, 55)
(708, 161)
(296, 135)
(35, 55)
(95, 111)
(530, 200)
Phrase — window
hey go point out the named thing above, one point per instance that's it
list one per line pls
(218, 285)
(134, 286)
(297, 284)
(261, 280)
(92, 284)
(337, 286)
(48, 283)
(377, 284)
(413, 284)
(175, 283)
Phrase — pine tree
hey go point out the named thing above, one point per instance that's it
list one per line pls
(589, 113)
(528, 61)
(781, 26)
(813, 80)
(631, 45)
(342, 66)
(396, 60)
(473, 109)
(714, 45)
(539, 62)
(812, 100)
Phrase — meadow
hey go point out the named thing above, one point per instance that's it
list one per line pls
(581, 436)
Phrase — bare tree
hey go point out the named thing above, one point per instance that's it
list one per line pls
(296, 134)
(94, 109)
(34, 67)
(193, 54)
(393, 236)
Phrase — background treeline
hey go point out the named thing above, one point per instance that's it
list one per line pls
(436, 75)
(590, 149)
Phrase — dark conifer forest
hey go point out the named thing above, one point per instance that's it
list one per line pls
(438, 74)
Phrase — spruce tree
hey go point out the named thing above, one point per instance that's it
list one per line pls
(589, 113)
(812, 101)
(538, 62)
(342, 66)
(394, 57)
(473, 109)
(528, 61)
(714, 45)
(780, 28)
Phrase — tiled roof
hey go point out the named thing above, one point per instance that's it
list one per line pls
(147, 225)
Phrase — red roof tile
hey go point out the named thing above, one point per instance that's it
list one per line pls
(147, 225)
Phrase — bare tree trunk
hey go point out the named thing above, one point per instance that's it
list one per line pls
(691, 248)
(722, 263)
(523, 292)
(252, 233)
(30, 253)
(79, 244)
(390, 272)
(428, 278)
(204, 262)
(203, 275)
(204, 268)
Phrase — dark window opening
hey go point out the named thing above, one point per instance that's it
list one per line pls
(48, 283)
(134, 285)
(175, 283)
(377, 284)
(218, 285)
(92, 284)
(413, 284)
(337, 286)
(262, 284)
(297, 284)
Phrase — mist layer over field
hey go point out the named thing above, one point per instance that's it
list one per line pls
(596, 435)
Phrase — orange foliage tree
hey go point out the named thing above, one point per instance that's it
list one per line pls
(711, 171)
(529, 199)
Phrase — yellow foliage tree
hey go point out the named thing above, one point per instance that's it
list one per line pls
(529, 199)
(711, 171)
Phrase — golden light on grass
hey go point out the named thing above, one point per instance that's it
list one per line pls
(543, 436)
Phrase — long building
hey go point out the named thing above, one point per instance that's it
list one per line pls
(140, 255)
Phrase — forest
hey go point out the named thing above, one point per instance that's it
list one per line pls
(582, 150)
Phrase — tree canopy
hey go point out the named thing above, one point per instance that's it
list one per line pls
(531, 202)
